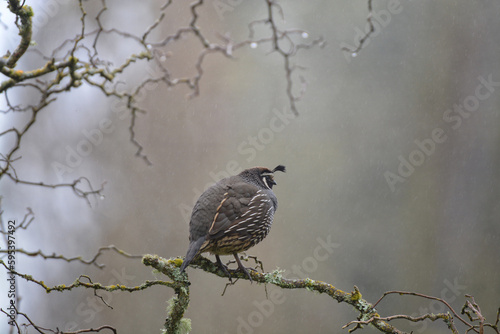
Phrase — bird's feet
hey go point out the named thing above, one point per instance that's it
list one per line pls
(242, 268)
(224, 268)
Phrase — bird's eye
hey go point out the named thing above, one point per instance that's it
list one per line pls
(268, 181)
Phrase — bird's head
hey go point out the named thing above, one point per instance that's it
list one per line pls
(262, 175)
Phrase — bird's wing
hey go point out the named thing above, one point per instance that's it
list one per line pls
(242, 205)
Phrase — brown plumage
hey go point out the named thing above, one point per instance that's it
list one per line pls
(233, 215)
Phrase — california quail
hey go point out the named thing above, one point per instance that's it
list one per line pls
(233, 215)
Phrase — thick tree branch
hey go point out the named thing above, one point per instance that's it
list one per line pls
(367, 312)
(24, 14)
(171, 268)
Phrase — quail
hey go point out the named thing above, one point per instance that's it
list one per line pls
(233, 215)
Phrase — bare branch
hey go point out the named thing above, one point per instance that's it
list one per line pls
(63, 71)
(426, 297)
(75, 186)
(28, 218)
(77, 258)
(446, 317)
(362, 41)
(473, 312)
(42, 330)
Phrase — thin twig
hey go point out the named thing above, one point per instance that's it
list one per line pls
(93, 260)
(426, 297)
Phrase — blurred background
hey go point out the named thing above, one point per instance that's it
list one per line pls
(391, 163)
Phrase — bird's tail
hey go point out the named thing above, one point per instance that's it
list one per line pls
(194, 247)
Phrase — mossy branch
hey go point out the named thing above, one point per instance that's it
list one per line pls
(179, 304)
(24, 14)
(179, 282)
(171, 269)
(79, 282)
(367, 312)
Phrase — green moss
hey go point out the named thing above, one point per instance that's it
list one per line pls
(364, 307)
(356, 295)
(28, 11)
(175, 261)
(170, 304)
(184, 326)
(185, 290)
(274, 277)
(309, 284)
